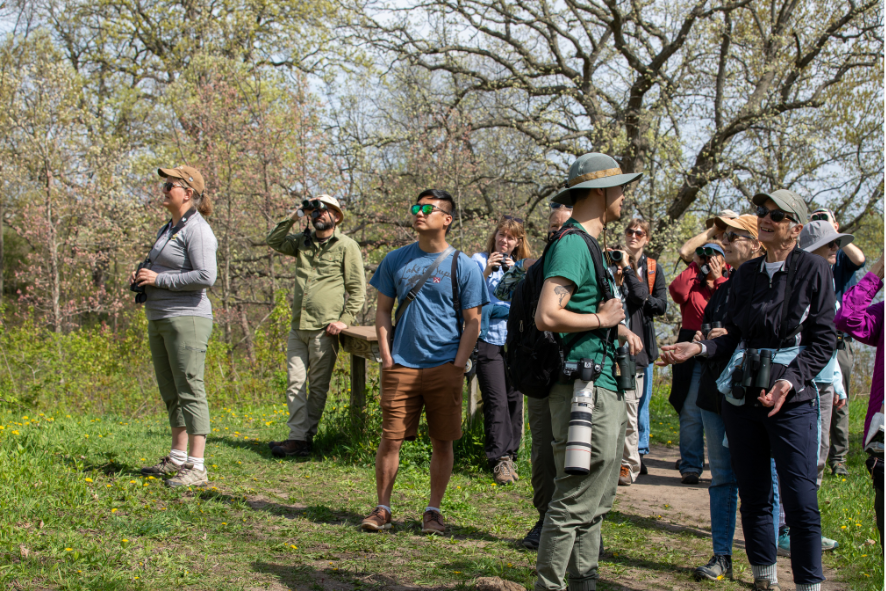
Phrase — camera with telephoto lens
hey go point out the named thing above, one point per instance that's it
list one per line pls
(140, 296)
(625, 369)
(581, 420)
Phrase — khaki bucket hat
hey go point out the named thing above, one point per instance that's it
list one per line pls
(332, 202)
(593, 171)
(188, 174)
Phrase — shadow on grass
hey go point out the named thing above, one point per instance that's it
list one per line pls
(658, 526)
(259, 448)
(303, 578)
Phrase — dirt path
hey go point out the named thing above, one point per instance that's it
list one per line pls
(686, 507)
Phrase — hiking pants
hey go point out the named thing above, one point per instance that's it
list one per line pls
(543, 469)
(310, 359)
(502, 404)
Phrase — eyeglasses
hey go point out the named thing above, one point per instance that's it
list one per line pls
(426, 209)
(706, 252)
(507, 217)
(820, 217)
(735, 237)
(313, 204)
(558, 205)
(169, 186)
(637, 233)
(776, 215)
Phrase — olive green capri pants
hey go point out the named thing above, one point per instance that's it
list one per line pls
(178, 348)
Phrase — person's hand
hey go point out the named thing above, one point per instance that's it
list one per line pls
(697, 337)
(610, 313)
(839, 402)
(492, 263)
(877, 269)
(387, 362)
(716, 332)
(132, 278)
(146, 277)
(716, 265)
(678, 353)
(775, 397)
(335, 327)
(635, 343)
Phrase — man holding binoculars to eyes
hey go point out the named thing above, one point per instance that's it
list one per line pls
(330, 289)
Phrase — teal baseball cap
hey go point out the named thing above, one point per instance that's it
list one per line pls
(593, 171)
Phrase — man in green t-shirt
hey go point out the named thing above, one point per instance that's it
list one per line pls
(571, 304)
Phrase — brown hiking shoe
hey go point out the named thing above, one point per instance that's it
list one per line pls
(291, 447)
(165, 467)
(189, 476)
(624, 477)
(513, 466)
(432, 523)
(378, 520)
(502, 472)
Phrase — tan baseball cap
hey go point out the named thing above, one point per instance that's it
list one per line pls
(726, 214)
(188, 174)
(747, 223)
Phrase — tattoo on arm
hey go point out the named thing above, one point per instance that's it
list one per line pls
(562, 292)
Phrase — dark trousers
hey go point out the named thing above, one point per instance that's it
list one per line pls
(502, 404)
(840, 417)
(791, 438)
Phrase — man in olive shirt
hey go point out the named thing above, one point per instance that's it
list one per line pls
(330, 288)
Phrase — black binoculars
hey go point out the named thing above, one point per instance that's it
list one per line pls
(140, 294)
(706, 328)
(614, 256)
(755, 372)
(626, 368)
(313, 204)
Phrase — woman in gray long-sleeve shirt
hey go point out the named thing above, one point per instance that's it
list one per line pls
(182, 266)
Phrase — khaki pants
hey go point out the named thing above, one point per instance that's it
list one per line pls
(310, 358)
(630, 457)
(178, 350)
(570, 538)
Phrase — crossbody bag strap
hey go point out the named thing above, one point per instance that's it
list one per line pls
(417, 287)
(456, 298)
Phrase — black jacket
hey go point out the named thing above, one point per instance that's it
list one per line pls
(642, 307)
(754, 316)
(708, 395)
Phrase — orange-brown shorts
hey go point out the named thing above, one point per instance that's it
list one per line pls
(404, 391)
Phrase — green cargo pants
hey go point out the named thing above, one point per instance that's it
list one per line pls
(178, 349)
(570, 539)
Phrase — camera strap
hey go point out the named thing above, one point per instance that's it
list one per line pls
(172, 232)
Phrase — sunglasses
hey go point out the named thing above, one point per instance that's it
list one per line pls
(835, 243)
(734, 237)
(508, 217)
(820, 217)
(313, 204)
(706, 252)
(558, 205)
(776, 215)
(426, 209)
(169, 186)
(637, 233)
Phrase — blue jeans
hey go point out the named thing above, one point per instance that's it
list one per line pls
(724, 488)
(692, 429)
(643, 412)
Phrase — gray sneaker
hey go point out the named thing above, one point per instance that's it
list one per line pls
(718, 568)
(165, 467)
(189, 476)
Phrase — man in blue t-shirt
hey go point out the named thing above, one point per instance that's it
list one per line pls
(850, 259)
(423, 361)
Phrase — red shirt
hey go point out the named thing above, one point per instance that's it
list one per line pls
(692, 295)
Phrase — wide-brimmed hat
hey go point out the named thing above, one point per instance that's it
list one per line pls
(188, 174)
(748, 223)
(726, 214)
(786, 201)
(593, 171)
(332, 202)
(818, 233)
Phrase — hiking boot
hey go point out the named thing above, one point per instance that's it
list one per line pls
(643, 469)
(165, 467)
(784, 541)
(624, 477)
(839, 469)
(291, 447)
(273, 444)
(677, 464)
(765, 585)
(513, 466)
(189, 476)
(690, 478)
(828, 544)
(378, 520)
(718, 568)
(502, 472)
(533, 538)
(432, 523)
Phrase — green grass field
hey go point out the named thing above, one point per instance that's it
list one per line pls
(75, 513)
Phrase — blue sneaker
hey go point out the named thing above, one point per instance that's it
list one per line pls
(828, 544)
(784, 542)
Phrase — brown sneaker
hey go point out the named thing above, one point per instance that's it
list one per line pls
(502, 472)
(189, 476)
(378, 520)
(291, 447)
(432, 523)
(165, 467)
(624, 477)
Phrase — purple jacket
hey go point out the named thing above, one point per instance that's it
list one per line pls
(865, 323)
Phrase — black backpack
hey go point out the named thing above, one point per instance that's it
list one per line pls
(535, 358)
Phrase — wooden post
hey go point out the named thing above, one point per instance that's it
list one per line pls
(358, 384)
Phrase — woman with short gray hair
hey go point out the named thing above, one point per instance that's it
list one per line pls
(172, 283)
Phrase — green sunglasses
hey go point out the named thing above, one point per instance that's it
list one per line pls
(426, 209)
